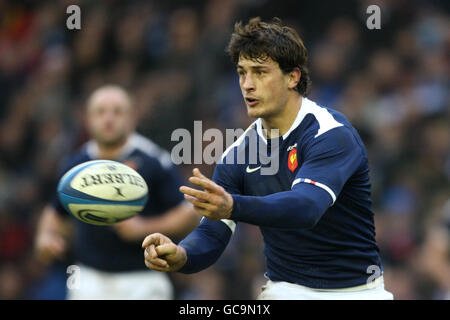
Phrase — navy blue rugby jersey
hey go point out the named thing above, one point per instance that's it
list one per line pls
(323, 150)
(100, 247)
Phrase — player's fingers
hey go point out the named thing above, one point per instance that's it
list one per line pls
(201, 195)
(156, 267)
(147, 241)
(201, 204)
(152, 251)
(196, 172)
(166, 249)
(191, 198)
(159, 262)
(154, 238)
(155, 256)
(154, 259)
(206, 184)
(148, 254)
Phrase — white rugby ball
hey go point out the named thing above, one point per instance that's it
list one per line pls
(102, 192)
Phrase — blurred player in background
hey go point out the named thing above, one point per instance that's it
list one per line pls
(315, 212)
(110, 257)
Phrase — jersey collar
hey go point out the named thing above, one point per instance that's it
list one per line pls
(93, 152)
(306, 103)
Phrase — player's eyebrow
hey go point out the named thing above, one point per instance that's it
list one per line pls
(256, 67)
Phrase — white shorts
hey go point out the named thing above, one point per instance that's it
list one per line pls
(136, 285)
(280, 290)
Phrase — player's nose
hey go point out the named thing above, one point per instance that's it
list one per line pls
(247, 83)
(109, 117)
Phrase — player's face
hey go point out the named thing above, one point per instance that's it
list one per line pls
(264, 87)
(110, 118)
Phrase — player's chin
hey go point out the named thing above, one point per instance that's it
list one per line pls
(110, 140)
(255, 111)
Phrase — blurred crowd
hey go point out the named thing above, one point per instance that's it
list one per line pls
(391, 83)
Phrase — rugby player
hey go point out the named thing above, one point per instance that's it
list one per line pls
(110, 257)
(315, 212)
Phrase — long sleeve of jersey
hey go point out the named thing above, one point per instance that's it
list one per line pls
(301, 207)
(205, 245)
(329, 161)
(207, 242)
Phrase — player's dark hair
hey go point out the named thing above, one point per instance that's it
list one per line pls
(258, 40)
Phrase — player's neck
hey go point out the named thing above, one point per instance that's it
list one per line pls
(284, 119)
(111, 152)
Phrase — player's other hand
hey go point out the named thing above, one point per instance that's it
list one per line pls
(161, 254)
(50, 246)
(213, 201)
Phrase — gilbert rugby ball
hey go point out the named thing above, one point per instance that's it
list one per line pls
(102, 192)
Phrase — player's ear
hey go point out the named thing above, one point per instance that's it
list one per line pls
(294, 77)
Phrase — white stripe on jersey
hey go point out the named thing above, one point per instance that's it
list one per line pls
(324, 118)
(147, 146)
(237, 142)
(230, 223)
(320, 185)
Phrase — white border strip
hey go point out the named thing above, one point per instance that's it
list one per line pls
(230, 223)
(237, 142)
(320, 185)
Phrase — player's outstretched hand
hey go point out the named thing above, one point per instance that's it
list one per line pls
(161, 254)
(49, 246)
(213, 202)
